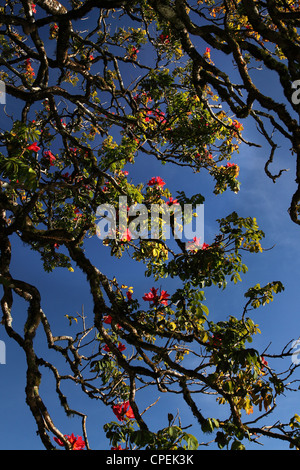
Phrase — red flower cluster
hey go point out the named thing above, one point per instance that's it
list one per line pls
(156, 180)
(122, 410)
(77, 213)
(29, 70)
(237, 125)
(132, 53)
(121, 347)
(235, 168)
(156, 299)
(164, 38)
(216, 340)
(207, 53)
(157, 114)
(76, 442)
(134, 50)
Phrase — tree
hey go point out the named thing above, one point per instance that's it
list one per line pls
(95, 95)
(254, 34)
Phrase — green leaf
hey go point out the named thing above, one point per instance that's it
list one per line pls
(192, 442)
(174, 432)
(237, 445)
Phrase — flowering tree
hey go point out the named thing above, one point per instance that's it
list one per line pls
(92, 98)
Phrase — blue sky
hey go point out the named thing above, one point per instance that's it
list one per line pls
(65, 293)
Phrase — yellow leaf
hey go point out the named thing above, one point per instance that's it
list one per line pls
(204, 337)
(297, 418)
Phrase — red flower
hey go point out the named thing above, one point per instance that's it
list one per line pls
(134, 51)
(164, 38)
(171, 201)
(207, 52)
(129, 295)
(29, 70)
(107, 319)
(48, 154)
(117, 448)
(235, 167)
(237, 125)
(216, 341)
(33, 8)
(126, 237)
(157, 299)
(122, 410)
(156, 180)
(195, 244)
(264, 363)
(34, 147)
(204, 246)
(151, 296)
(76, 442)
(121, 347)
(66, 176)
(163, 299)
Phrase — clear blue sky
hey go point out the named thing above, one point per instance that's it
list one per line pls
(65, 293)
